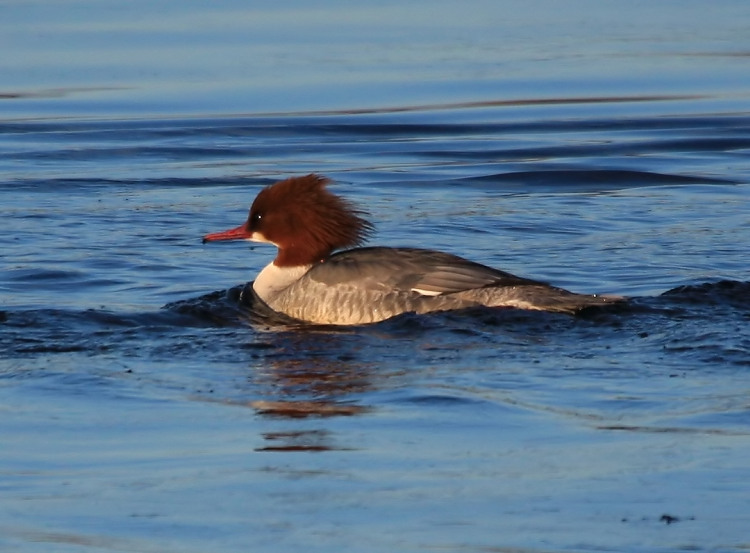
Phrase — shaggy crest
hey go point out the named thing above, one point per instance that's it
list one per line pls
(306, 221)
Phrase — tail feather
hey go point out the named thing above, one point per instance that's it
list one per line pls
(539, 297)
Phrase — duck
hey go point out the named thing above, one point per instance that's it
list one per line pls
(323, 274)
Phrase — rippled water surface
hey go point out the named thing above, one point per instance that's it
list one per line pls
(145, 408)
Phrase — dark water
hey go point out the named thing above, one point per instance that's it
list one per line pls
(144, 408)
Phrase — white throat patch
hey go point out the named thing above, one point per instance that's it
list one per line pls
(260, 237)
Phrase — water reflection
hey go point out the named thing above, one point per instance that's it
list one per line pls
(298, 440)
(314, 368)
(315, 379)
(301, 371)
(308, 376)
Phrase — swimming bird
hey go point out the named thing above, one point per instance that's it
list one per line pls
(316, 279)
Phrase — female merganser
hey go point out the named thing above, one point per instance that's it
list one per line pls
(308, 282)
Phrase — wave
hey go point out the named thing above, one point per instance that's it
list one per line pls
(724, 293)
(590, 179)
(25, 330)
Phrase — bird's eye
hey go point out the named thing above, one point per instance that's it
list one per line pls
(255, 219)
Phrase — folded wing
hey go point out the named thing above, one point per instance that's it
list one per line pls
(425, 272)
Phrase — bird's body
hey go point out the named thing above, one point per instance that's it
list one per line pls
(308, 282)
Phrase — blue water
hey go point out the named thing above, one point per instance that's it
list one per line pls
(601, 147)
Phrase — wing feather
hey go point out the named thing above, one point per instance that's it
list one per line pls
(425, 272)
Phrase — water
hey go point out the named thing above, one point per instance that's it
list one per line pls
(599, 148)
